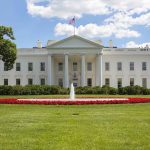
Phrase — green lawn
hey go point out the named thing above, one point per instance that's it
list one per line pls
(84, 127)
(67, 96)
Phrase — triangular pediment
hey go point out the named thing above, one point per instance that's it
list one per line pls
(75, 42)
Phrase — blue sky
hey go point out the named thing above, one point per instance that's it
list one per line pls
(34, 20)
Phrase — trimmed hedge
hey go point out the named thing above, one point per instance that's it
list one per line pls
(54, 90)
(33, 90)
(96, 90)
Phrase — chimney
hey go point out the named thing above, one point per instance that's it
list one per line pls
(39, 44)
(110, 43)
(147, 46)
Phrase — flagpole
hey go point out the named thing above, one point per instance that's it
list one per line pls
(74, 30)
(74, 25)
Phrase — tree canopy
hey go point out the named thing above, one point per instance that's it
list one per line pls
(7, 47)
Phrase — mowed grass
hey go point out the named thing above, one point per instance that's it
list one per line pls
(83, 127)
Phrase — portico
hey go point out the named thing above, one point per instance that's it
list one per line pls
(80, 69)
(75, 54)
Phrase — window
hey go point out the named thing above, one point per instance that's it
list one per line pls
(42, 66)
(119, 66)
(131, 66)
(42, 81)
(60, 82)
(144, 66)
(18, 68)
(131, 81)
(74, 76)
(119, 82)
(60, 66)
(30, 66)
(107, 66)
(89, 82)
(74, 66)
(144, 82)
(75, 84)
(5, 81)
(89, 66)
(17, 81)
(107, 81)
(5, 67)
(30, 81)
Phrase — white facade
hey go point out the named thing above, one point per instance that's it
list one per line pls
(81, 61)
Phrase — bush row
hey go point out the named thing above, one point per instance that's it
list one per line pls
(33, 90)
(54, 90)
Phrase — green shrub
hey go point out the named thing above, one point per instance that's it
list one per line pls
(84, 90)
(113, 91)
(6, 90)
(79, 90)
(131, 90)
(146, 91)
(108, 90)
(64, 91)
(17, 90)
(122, 91)
(97, 90)
(55, 90)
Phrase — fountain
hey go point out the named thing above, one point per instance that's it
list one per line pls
(72, 92)
(72, 99)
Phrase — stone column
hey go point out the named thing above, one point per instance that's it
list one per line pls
(49, 70)
(66, 71)
(83, 70)
(100, 64)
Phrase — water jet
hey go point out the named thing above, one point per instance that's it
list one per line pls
(72, 92)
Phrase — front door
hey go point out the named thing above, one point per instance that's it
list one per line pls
(75, 83)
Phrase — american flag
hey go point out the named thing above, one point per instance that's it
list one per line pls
(72, 21)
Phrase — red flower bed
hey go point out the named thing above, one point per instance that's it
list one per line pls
(79, 102)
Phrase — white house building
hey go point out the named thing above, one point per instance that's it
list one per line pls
(81, 61)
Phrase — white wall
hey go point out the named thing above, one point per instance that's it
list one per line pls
(111, 55)
(24, 74)
(126, 74)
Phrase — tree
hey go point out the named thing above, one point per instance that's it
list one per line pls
(7, 47)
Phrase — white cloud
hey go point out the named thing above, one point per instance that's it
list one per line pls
(93, 30)
(123, 15)
(122, 33)
(132, 44)
(67, 8)
(125, 20)
(64, 29)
